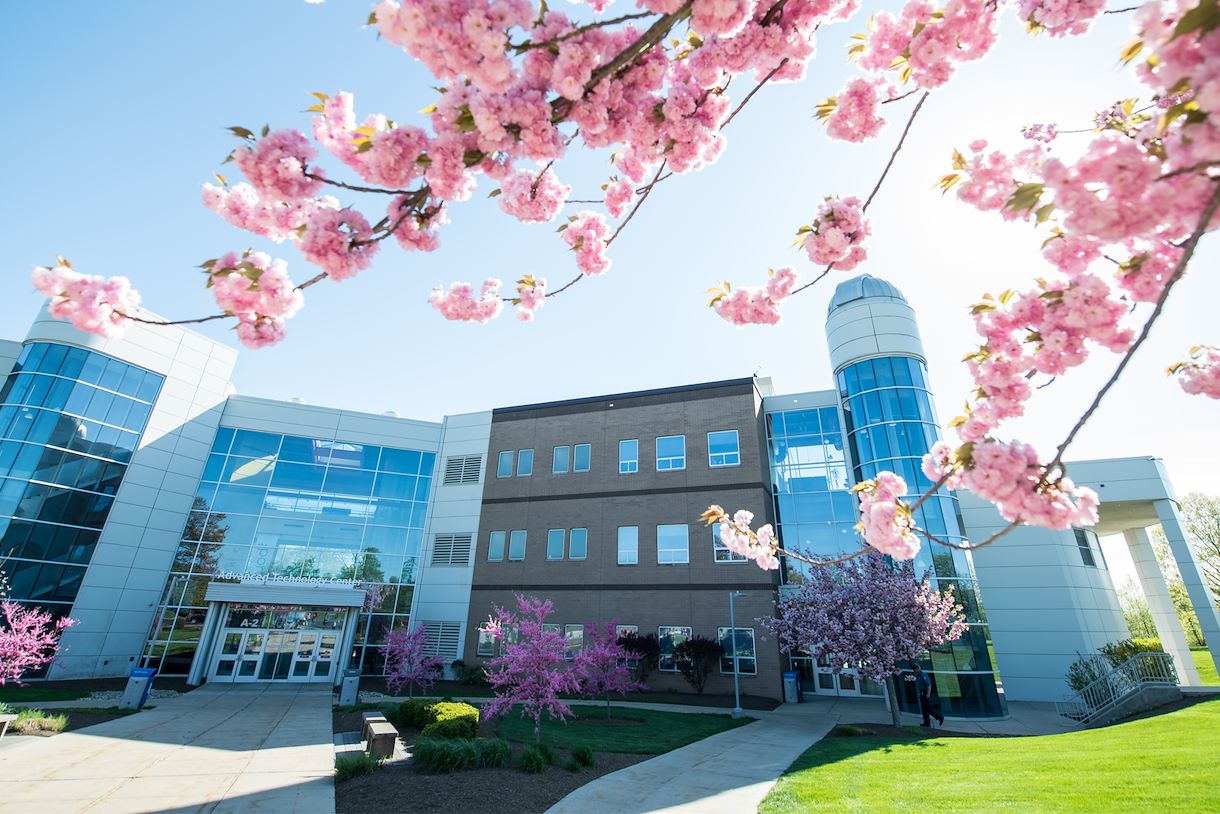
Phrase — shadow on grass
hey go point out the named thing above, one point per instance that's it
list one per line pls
(833, 750)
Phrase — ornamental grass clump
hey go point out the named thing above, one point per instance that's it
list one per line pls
(445, 755)
(532, 761)
(354, 764)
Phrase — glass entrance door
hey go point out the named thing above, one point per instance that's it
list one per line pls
(314, 656)
(240, 652)
(277, 658)
(280, 644)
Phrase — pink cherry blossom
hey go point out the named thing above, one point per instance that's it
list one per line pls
(1201, 374)
(856, 115)
(531, 295)
(339, 241)
(885, 520)
(586, 234)
(276, 165)
(756, 306)
(620, 194)
(242, 206)
(1060, 17)
(838, 234)
(97, 305)
(459, 302)
(531, 196)
(257, 290)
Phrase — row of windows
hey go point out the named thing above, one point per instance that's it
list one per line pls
(723, 449)
(300, 505)
(89, 367)
(32, 392)
(893, 404)
(888, 371)
(57, 429)
(276, 449)
(673, 545)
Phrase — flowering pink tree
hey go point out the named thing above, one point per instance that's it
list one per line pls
(531, 671)
(29, 639)
(603, 665)
(868, 614)
(521, 89)
(407, 662)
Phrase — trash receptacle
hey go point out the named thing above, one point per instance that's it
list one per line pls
(139, 683)
(350, 689)
(792, 687)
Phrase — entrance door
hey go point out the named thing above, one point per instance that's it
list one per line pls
(314, 656)
(238, 657)
(278, 655)
(829, 682)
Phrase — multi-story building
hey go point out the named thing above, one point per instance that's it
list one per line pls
(230, 538)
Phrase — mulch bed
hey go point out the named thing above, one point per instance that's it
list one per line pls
(399, 787)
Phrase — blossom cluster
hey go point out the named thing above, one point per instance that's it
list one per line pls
(1200, 375)
(854, 115)
(885, 520)
(620, 193)
(533, 197)
(1060, 17)
(737, 536)
(838, 234)
(756, 306)
(257, 290)
(586, 234)
(460, 303)
(99, 305)
(531, 295)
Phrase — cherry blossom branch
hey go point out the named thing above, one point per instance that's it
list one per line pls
(1202, 165)
(1188, 250)
(194, 321)
(970, 546)
(643, 197)
(530, 44)
(780, 552)
(910, 92)
(355, 187)
(756, 89)
(1121, 10)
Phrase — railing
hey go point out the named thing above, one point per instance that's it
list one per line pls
(1140, 671)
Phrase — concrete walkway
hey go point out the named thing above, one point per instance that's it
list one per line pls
(731, 773)
(240, 748)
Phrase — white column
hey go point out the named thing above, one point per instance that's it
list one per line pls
(1200, 597)
(207, 642)
(1156, 591)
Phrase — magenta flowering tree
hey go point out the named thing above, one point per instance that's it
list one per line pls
(1119, 212)
(531, 670)
(29, 639)
(408, 663)
(603, 666)
(869, 614)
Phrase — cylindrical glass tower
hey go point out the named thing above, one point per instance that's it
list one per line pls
(881, 375)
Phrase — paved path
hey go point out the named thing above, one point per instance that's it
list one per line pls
(217, 750)
(731, 773)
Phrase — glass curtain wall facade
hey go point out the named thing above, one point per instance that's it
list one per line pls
(70, 420)
(890, 425)
(287, 505)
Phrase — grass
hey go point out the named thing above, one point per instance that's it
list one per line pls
(1205, 665)
(35, 720)
(30, 694)
(1163, 763)
(660, 731)
(354, 764)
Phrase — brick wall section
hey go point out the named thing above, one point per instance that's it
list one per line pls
(648, 594)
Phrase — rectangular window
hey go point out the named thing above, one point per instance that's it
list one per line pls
(671, 453)
(550, 628)
(673, 545)
(628, 456)
(495, 546)
(525, 463)
(554, 544)
(723, 448)
(516, 545)
(487, 644)
(578, 544)
(581, 457)
(669, 637)
(504, 466)
(628, 545)
(720, 553)
(573, 640)
(559, 460)
(626, 630)
(747, 664)
(1086, 547)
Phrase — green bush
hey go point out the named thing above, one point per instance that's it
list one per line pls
(1150, 644)
(492, 753)
(572, 765)
(1087, 669)
(583, 755)
(443, 755)
(414, 713)
(450, 710)
(467, 728)
(354, 764)
(1120, 651)
(532, 761)
(548, 754)
(5, 709)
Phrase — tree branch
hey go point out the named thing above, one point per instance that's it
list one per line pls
(530, 44)
(354, 187)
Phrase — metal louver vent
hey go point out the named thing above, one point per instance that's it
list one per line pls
(443, 639)
(463, 469)
(452, 549)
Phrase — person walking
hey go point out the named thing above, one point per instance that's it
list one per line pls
(923, 686)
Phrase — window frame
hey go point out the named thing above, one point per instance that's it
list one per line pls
(635, 547)
(720, 631)
(525, 463)
(550, 541)
(571, 539)
(669, 460)
(686, 634)
(623, 630)
(485, 638)
(512, 536)
(567, 459)
(730, 557)
(686, 533)
(570, 652)
(506, 455)
(491, 545)
(736, 454)
(629, 465)
(576, 448)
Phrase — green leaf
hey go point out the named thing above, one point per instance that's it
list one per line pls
(495, 192)
(242, 132)
(266, 130)
(1043, 213)
(1025, 198)
(1202, 18)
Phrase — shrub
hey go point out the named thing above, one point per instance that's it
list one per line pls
(644, 652)
(35, 720)
(1085, 670)
(5, 709)
(450, 710)
(1148, 644)
(532, 761)
(442, 755)
(492, 753)
(466, 728)
(354, 764)
(1120, 651)
(548, 754)
(850, 730)
(583, 755)
(414, 713)
(696, 658)
(572, 765)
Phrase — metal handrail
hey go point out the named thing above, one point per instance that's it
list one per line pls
(1103, 693)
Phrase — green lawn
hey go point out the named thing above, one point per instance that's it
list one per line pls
(34, 693)
(659, 731)
(1163, 764)
(1207, 667)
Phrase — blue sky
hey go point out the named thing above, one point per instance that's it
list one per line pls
(116, 115)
